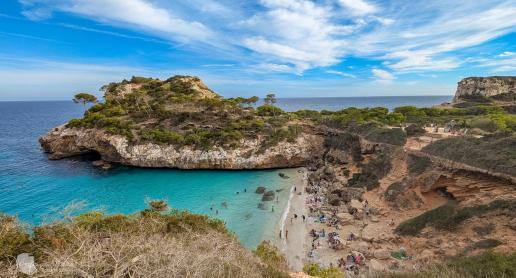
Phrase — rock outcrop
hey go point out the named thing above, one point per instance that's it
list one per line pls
(64, 142)
(485, 87)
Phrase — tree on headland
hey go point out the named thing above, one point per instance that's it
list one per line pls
(270, 99)
(252, 100)
(84, 98)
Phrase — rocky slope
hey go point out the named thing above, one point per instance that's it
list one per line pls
(65, 142)
(485, 86)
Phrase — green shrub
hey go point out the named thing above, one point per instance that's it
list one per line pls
(448, 217)
(13, 238)
(496, 153)
(365, 180)
(380, 165)
(484, 124)
(414, 130)
(418, 164)
(163, 136)
(276, 264)
(269, 110)
(437, 216)
(318, 271)
(488, 264)
(393, 136)
(346, 142)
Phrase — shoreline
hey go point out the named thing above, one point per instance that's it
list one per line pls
(293, 247)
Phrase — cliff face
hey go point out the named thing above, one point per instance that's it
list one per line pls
(64, 142)
(485, 86)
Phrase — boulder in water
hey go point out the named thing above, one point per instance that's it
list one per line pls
(260, 190)
(283, 175)
(98, 163)
(268, 196)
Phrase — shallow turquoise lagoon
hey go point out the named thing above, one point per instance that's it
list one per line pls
(36, 189)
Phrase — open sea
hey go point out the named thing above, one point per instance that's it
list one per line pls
(38, 190)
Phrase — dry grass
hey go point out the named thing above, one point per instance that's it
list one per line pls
(149, 244)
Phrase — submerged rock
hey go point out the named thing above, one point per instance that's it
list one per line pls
(283, 175)
(260, 190)
(262, 206)
(268, 196)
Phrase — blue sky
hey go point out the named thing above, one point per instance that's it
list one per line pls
(50, 49)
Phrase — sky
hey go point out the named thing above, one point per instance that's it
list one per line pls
(51, 49)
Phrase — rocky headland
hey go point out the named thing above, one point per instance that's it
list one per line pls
(181, 123)
(489, 87)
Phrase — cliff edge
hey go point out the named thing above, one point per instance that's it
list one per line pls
(496, 87)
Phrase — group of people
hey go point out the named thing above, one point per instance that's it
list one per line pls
(353, 262)
(334, 241)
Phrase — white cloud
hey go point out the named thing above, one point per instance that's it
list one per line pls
(268, 67)
(407, 36)
(358, 7)
(341, 73)
(299, 32)
(383, 75)
(507, 54)
(139, 14)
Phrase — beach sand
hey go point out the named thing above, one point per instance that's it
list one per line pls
(295, 246)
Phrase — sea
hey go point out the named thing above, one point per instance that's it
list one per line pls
(38, 190)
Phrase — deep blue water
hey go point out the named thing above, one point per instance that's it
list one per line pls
(337, 103)
(36, 189)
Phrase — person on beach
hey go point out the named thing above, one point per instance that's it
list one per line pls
(295, 216)
(272, 208)
(304, 218)
(280, 234)
(295, 189)
(245, 190)
(286, 234)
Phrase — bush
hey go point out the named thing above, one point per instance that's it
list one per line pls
(484, 124)
(269, 110)
(437, 216)
(418, 164)
(163, 136)
(276, 264)
(496, 153)
(393, 136)
(485, 265)
(366, 180)
(447, 217)
(488, 264)
(380, 165)
(414, 130)
(13, 239)
(318, 271)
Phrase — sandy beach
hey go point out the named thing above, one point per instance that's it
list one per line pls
(293, 246)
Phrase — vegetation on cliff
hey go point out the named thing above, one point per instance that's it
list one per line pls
(151, 243)
(496, 152)
(450, 216)
(183, 111)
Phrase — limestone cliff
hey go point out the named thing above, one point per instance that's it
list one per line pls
(64, 142)
(485, 87)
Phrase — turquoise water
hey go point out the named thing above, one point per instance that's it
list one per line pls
(37, 190)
